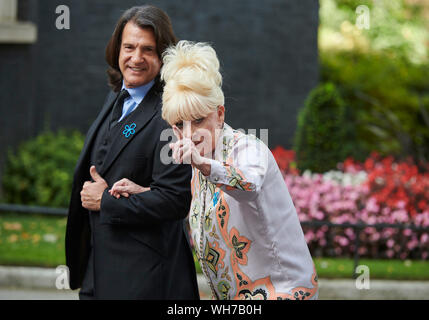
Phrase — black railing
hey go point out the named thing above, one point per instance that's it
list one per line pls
(33, 210)
(357, 227)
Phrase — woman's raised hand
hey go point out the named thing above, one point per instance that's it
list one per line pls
(185, 151)
(125, 188)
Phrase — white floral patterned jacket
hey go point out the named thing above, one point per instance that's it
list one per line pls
(245, 228)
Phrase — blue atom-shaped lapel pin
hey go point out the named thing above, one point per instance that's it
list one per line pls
(130, 130)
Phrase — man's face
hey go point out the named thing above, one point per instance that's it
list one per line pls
(138, 59)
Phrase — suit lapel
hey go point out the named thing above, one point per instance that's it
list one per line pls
(96, 125)
(131, 127)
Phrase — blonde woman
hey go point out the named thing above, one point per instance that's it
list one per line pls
(245, 228)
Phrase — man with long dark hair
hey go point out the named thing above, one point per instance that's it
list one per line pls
(133, 247)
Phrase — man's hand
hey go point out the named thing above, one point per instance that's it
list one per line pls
(93, 191)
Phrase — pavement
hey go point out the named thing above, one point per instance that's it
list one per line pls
(23, 283)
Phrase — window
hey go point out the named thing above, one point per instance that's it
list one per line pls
(11, 30)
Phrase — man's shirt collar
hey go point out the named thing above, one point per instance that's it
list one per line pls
(138, 93)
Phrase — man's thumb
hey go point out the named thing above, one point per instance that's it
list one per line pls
(94, 174)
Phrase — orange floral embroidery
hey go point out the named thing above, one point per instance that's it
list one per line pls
(213, 256)
(264, 289)
(239, 245)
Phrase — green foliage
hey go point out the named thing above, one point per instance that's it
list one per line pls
(390, 98)
(325, 132)
(381, 72)
(40, 172)
(398, 27)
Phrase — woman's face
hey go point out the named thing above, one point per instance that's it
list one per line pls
(204, 132)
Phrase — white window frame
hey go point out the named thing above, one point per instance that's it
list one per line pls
(11, 30)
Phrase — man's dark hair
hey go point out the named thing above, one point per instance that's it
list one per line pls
(145, 17)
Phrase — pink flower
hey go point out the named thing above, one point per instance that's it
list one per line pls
(395, 192)
(372, 205)
(412, 244)
(407, 232)
(322, 242)
(400, 204)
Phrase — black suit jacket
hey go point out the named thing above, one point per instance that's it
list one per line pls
(141, 250)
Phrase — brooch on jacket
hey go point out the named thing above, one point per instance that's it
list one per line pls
(130, 130)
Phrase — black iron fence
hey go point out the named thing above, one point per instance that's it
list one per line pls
(357, 227)
(33, 210)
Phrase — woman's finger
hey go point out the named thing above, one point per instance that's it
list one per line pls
(175, 147)
(117, 195)
(121, 189)
(187, 131)
(122, 182)
(187, 157)
(182, 148)
(112, 193)
(177, 133)
(176, 153)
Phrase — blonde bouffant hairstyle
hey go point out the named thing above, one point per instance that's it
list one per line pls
(193, 83)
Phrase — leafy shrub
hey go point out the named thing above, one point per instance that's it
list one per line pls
(381, 72)
(399, 28)
(389, 98)
(40, 172)
(325, 131)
